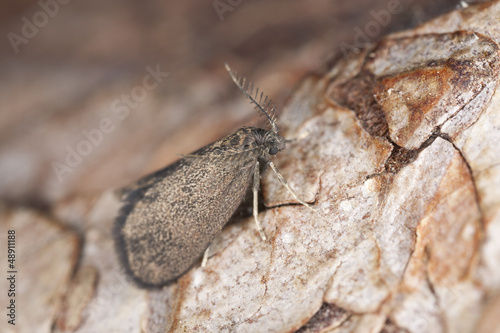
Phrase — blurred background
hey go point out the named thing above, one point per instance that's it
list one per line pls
(96, 94)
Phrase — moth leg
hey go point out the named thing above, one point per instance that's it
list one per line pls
(205, 257)
(285, 184)
(256, 180)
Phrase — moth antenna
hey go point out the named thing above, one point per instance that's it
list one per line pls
(273, 113)
(265, 99)
(247, 89)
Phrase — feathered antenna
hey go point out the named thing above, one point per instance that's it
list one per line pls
(247, 88)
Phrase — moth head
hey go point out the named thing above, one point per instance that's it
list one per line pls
(256, 139)
(274, 143)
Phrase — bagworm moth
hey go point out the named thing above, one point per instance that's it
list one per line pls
(170, 217)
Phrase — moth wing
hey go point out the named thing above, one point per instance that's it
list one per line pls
(172, 215)
(145, 182)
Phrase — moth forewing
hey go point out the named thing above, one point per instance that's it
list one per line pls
(166, 226)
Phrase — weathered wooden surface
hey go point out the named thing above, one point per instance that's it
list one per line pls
(396, 147)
